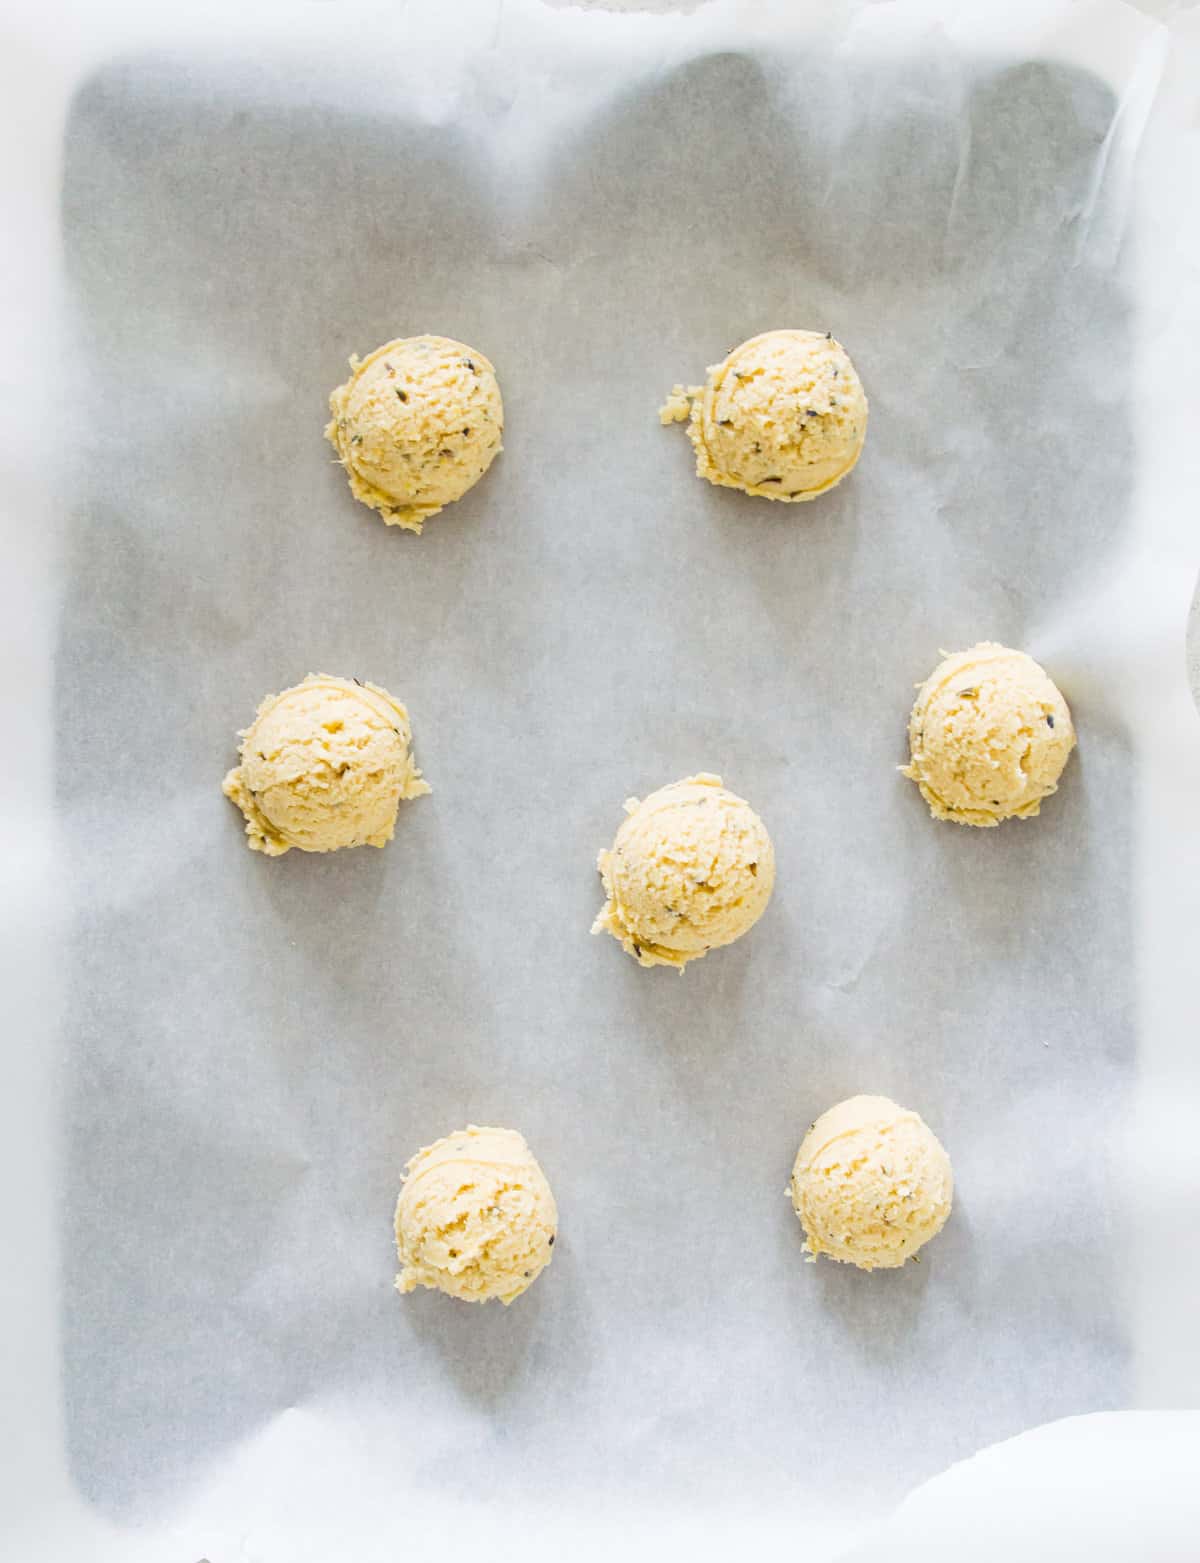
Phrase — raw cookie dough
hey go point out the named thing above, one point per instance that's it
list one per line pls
(476, 1218)
(692, 868)
(989, 736)
(784, 416)
(416, 425)
(871, 1184)
(324, 765)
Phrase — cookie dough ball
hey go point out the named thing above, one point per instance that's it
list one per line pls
(324, 765)
(692, 868)
(871, 1184)
(476, 1218)
(416, 425)
(989, 736)
(784, 416)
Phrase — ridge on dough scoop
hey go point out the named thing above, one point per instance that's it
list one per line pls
(692, 868)
(989, 736)
(324, 765)
(417, 424)
(871, 1184)
(783, 417)
(476, 1218)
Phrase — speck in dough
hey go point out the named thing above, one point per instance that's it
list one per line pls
(418, 423)
(476, 1218)
(871, 1184)
(692, 868)
(324, 765)
(989, 735)
(783, 417)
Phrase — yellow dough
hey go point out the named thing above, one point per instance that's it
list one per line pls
(476, 1218)
(324, 765)
(783, 417)
(989, 736)
(416, 425)
(871, 1184)
(692, 868)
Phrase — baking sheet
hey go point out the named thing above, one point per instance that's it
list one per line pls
(254, 1048)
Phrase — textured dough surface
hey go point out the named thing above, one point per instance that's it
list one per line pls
(416, 425)
(988, 736)
(692, 868)
(783, 417)
(871, 1184)
(324, 765)
(475, 1218)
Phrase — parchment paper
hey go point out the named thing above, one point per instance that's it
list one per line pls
(254, 1048)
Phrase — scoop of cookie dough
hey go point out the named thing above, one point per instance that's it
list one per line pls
(324, 765)
(989, 736)
(871, 1184)
(476, 1218)
(784, 416)
(416, 425)
(692, 868)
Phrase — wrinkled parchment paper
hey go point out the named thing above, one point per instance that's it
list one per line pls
(249, 1050)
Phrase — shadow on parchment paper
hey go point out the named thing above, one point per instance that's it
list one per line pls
(204, 1103)
(486, 1351)
(877, 1319)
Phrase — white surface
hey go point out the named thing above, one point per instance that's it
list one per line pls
(553, 1042)
(1100, 1488)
